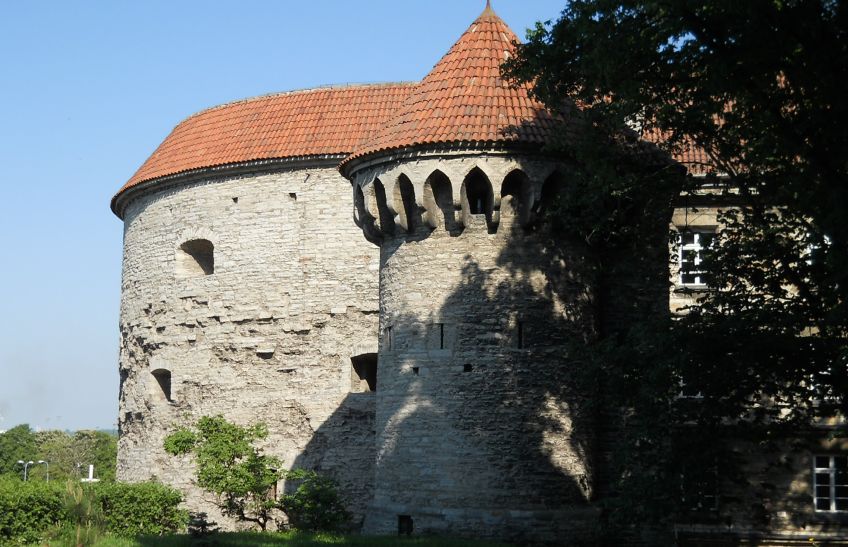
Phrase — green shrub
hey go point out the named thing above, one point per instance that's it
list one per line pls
(29, 509)
(84, 513)
(141, 509)
(32, 510)
(315, 504)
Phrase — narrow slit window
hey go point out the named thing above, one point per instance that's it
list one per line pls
(389, 342)
(441, 336)
(520, 335)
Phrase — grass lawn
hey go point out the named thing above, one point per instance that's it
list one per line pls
(281, 539)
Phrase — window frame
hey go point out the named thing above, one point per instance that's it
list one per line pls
(832, 472)
(697, 247)
(704, 495)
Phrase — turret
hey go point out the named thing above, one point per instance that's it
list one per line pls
(482, 423)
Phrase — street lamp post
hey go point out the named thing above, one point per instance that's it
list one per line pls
(26, 465)
(48, 468)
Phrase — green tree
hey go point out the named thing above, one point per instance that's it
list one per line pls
(70, 454)
(16, 444)
(759, 87)
(229, 465)
(314, 504)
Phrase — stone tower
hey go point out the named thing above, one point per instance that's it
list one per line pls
(481, 427)
(248, 292)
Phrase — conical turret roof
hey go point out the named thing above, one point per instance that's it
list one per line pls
(464, 99)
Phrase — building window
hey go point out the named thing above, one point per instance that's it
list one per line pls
(364, 373)
(196, 258)
(699, 488)
(388, 339)
(688, 392)
(693, 247)
(437, 336)
(830, 478)
(163, 381)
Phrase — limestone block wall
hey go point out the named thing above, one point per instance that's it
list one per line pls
(481, 422)
(267, 336)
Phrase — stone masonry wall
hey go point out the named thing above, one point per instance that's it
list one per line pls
(267, 337)
(481, 427)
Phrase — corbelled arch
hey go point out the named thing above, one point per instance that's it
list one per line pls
(384, 212)
(363, 217)
(477, 197)
(439, 201)
(516, 196)
(552, 188)
(403, 194)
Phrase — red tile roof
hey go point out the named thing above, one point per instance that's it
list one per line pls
(324, 121)
(464, 99)
(691, 156)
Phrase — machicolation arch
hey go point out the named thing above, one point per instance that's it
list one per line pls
(514, 193)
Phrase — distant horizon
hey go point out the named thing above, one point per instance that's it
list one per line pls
(112, 431)
(91, 90)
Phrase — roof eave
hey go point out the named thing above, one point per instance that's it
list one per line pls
(126, 195)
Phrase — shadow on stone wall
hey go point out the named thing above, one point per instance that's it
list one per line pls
(495, 435)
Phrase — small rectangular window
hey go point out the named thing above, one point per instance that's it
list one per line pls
(830, 483)
(441, 336)
(692, 257)
(389, 343)
(699, 488)
(405, 525)
(520, 335)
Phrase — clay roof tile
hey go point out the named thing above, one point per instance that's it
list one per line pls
(323, 121)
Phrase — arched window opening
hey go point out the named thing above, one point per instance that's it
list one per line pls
(405, 203)
(163, 381)
(387, 223)
(552, 191)
(438, 200)
(478, 199)
(359, 205)
(363, 373)
(196, 258)
(478, 193)
(516, 185)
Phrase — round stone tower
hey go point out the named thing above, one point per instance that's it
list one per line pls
(248, 292)
(482, 427)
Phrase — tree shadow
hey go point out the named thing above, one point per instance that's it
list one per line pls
(485, 423)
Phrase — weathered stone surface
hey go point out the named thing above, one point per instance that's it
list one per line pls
(481, 427)
(267, 337)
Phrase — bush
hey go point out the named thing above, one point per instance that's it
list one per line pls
(315, 504)
(30, 510)
(141, 509)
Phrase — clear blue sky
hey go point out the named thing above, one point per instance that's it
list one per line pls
(87, 92)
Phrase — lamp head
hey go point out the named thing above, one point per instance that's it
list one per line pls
(21, 462)
(41, 461)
